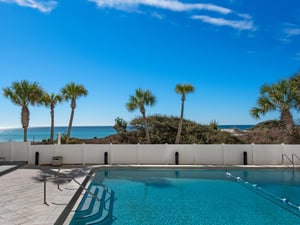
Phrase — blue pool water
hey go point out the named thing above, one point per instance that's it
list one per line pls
(189, 197)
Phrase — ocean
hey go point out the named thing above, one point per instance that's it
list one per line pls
(36, 134)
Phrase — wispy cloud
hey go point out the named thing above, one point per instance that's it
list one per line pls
(297, 56)
(172, 5)
(237, 24)
(244, 21)
(157, 15)
(41, 5)
(288, 32)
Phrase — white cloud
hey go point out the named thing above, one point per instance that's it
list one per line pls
(290, 32)
(245, 22)
(172, 5)
(41, 5)
(237, 24)
(157, 15)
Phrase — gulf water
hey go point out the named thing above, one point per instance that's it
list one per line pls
(43, 133)
(36, 134)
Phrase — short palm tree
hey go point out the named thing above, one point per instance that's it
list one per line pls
(182, 89)
(277, 97)
(24, 93)
(139, 101)
(71, 92)
(51, 101)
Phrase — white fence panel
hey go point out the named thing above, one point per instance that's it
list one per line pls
(5, 150)
(19, 151)
(234, 154)
(45, 152)
(152, 154)
(124, 154)
(94, 154)
(185, 152)
(208, 154)
(267, 154)
(71, 154)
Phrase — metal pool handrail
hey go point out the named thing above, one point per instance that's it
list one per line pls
(259, 190)
(76, 181)
(289, 159)
(293, 159)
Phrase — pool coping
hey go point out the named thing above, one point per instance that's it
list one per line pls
(67, 210)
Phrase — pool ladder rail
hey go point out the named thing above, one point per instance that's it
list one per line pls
(292, 161)
(92, 211)
(96, 206)
(283, 202)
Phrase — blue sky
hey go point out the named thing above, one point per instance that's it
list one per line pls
(227, 49)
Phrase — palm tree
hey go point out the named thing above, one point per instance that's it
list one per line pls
(277, 97)
(71, 92)
(182, 89)
(139, 101)
(24, 93)
(51, 101)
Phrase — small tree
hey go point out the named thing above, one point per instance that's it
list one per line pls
(139, 101)
(120, 126)
(182, 89)
(51, 101)
(71, 92)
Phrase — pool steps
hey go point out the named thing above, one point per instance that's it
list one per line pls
(281, 201)
(91, 210)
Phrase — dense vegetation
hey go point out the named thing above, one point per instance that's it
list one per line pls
(163, 129)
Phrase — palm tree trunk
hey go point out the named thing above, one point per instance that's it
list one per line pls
(70, 125)
(52, 125)
(287, 119)
(146, 129)
(178, 136)
(25, 134)
(25, 120)
(73, 106)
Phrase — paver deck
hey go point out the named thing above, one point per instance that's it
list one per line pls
(22, 195)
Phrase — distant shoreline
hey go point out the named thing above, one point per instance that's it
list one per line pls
(240, 127)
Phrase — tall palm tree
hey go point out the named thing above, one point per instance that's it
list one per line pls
(277, 97)
(139, 101)
(182, 89)
(51, 101)
(71, 92)
(24, 93)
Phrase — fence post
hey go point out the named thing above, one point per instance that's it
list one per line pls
(245, 161)
(176, 158)
(105, 158)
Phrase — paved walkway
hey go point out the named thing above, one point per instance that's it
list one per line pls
(22, 195)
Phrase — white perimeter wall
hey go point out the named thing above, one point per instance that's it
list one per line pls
(140, 154)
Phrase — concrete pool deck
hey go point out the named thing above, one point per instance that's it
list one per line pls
(22, 195)
(22, 190)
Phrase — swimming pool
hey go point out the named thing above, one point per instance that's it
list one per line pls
(189, 196)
